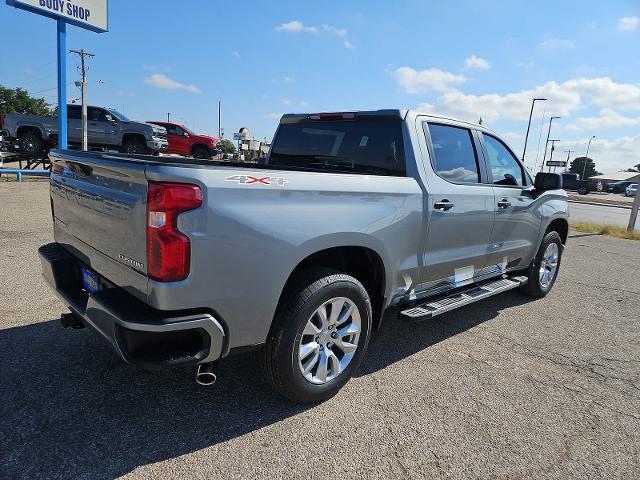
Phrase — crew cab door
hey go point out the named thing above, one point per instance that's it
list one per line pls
(74, 123)
(460, 208)
(178, 142)
(517, 220)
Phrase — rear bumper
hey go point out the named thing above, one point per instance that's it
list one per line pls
(139, 334)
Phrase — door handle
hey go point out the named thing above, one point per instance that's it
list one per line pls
(443, 205)
(504, 203)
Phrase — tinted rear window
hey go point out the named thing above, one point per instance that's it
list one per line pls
(359, 146)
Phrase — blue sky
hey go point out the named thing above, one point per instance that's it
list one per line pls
(465, 59)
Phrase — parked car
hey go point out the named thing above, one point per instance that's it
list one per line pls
(183, 141)
(106, 129)
(618, 187)
(571, 181)
(179, 262)
(631, 190)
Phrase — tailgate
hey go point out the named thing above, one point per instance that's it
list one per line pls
(99, 213)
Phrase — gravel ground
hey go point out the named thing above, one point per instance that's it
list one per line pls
(506, 388)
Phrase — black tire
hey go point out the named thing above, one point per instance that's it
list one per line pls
(280, 358)
(202, 153)
(583, 190)
(534, 286)
(134, 146)
(30, 143)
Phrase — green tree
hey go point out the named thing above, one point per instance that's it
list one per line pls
(18, 100)
(578, 164)
(228, 146)
(634, 169)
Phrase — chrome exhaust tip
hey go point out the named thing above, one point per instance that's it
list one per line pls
(206, 374)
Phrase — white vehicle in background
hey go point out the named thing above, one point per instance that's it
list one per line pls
(631, 190)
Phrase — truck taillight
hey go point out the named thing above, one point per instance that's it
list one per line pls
(168, 250)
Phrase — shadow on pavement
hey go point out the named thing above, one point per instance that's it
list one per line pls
(71, 408)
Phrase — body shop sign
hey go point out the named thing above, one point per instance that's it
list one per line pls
(90, 14)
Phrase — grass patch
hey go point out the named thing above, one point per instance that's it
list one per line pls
(590, 227)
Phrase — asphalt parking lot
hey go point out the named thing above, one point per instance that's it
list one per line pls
(506, 388)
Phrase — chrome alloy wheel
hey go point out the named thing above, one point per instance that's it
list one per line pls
(549, 265)
(329, 340)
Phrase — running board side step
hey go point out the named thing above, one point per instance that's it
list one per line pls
(432, 308)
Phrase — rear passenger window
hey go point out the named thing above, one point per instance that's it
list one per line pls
(505, 169)
(454, 155)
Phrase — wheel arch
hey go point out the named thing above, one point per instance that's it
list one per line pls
(22, 129)
(362, 263)
(201, 145)
(133, 136)
(560, 225)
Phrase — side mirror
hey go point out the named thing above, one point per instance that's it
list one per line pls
(548, 181)
(111, 120)
(185, 134)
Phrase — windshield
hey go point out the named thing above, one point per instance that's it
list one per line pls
(118, 115)
(372, 146)
(186, 129)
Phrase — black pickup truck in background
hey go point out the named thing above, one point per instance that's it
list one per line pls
(571, 181)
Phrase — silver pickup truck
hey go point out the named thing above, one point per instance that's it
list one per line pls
(106, 129)
(350, 215)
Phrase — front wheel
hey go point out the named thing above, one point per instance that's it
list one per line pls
(134, 146)
(544, 271)
(30, 143)
(319, 336)
(201, 153)
(583, 190)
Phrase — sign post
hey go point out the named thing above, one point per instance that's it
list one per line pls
(89, 14)
(62, 84)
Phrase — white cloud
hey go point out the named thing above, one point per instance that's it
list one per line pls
(608, 118)
(159, 80)
(413, 81)
(554, 43)
(273, 115)
(285, 101)
(628, 23)
(610, 155)
(288, 79)
(529, 64)
(477, 62)
(303, 104)
(564, 98)
(235, 54)
(297, 26)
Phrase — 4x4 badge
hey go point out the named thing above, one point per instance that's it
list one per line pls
(252, 180)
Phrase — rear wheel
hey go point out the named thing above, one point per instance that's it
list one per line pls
(583, 190)
(30, 143)
(134, 146)
(201, 153)
(319, 336)
(543, 273)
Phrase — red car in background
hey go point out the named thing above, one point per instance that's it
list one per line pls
(183, 141)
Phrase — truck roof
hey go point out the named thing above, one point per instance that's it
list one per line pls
(385, 113)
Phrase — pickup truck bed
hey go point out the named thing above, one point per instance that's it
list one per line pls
(185, 261)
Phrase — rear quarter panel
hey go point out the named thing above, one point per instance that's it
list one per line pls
(248, 237)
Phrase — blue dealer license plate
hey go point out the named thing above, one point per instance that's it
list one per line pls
(90, 281)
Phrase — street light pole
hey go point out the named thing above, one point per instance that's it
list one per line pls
(544, 158)
(526, 138)
(568, 152)
(553, 147)
(586, 156)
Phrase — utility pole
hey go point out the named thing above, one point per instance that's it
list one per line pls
(168, 117)
(568, 152)
(219, 130)
(547, 143)
(82, 54)
(526, 138)
(586, 156)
